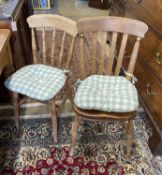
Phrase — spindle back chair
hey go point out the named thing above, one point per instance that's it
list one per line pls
(103, 94)
(53, 39)
(58, 28)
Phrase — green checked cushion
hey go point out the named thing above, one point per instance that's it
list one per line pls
(106, 93)
(37, 81)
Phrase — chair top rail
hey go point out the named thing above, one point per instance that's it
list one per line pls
(112, 23)
(55, 21)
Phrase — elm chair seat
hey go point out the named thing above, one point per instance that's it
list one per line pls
(106, 93)
(40, 82)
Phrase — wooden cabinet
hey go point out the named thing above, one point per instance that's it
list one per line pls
(149, 65)
(15, 12)
(117, 8)
(100, 4)
(5, 51)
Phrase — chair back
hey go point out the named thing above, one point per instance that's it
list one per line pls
(53, 39)
(107, 37)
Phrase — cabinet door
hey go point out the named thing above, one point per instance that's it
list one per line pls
(148, 11)
(20, 42)
(152, 51)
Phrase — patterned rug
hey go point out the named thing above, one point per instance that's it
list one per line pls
(30, 151)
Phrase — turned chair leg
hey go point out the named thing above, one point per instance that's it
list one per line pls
(67, 96)
(16, 109)
(54, 120)
(70, 94)
(75, 127)
(129, 135)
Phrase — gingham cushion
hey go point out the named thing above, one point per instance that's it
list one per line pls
(106, 93)
(37, 81)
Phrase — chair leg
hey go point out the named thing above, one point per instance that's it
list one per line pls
(62, 104)
(129, 133)
(54, 120)
(75, 127)
(125, 125)
(16, 109)
(68, 96)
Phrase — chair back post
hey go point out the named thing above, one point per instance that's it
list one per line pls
(94, 51)
(121, 54)
(43, 46)
(112, 52)
(53, 48)
(34, 46)
(70, 54)
(82, 57)
(103, 45)
(133, 59)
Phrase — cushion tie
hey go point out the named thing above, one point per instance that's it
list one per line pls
(133, 78)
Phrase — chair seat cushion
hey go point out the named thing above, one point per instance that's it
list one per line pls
(106, 93)
(37, 81)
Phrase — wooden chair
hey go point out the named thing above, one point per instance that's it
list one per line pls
(103, 94)
(53, 39)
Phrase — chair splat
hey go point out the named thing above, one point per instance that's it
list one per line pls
(102, 58)
(43, 46)
(121, 54)
(34, 46)
(52, 47)
(133, 58)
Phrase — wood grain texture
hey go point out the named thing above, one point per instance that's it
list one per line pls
(20, 42)
(148, 69)
(5, 52)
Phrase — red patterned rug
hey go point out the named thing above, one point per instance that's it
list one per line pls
(55, 160)
(30, 151)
